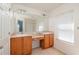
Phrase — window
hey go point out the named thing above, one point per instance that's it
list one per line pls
(65, 27)
(66, 32)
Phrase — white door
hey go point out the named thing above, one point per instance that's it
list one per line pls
(5, 33)
(0, 34)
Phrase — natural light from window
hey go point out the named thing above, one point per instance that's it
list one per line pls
(40, 28)
(66, 32)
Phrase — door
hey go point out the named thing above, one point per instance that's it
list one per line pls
(51, 40)
(0, 34)
(5, 32)
(16, 46)
(46, 41)
(27, 45)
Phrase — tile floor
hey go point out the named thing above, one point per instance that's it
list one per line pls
(48, 51)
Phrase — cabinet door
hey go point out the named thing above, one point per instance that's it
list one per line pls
(46, 40)
(51, 40)
(27, 45)
(16, 46)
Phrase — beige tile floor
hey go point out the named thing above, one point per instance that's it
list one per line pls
(48, 51)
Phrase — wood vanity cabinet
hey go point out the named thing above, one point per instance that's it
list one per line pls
(51, 40)
(27, 45)
(48, 41)
(16, 46)
(21, 45)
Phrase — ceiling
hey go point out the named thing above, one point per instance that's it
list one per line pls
(45, 7)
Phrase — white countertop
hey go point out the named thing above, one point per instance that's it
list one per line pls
(47, 33)
(33, 35)
(20, 35)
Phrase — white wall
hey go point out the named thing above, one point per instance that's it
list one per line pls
(5, 18)
(66, 47)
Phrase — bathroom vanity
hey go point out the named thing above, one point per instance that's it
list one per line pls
(21, 44)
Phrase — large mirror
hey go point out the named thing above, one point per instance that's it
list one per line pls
(31, 24)
(28, 20)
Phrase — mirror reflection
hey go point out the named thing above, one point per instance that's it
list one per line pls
(30, 25)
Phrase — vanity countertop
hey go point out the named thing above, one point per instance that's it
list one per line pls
(20, 35)
(47, 32)
(34, 37)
